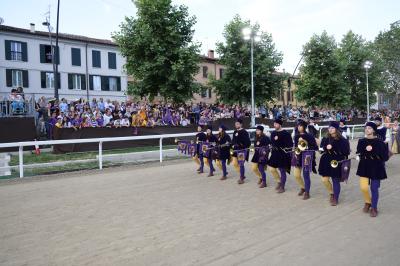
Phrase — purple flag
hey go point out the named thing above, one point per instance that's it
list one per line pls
(241, 156)
(263, 153)
(307, 158)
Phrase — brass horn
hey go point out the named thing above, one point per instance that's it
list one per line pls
(334, 163)
(302, 145)
(297, 151)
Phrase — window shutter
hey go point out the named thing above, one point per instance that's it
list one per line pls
(112, 61)
(76, 56)
(7, 45)
(105, 84)
(43, 79)
(24, 49)
(96, 59)
(9, 77)
(91, 82)
(118, 83)
(42, 54)
(83, 82)
(70, 86)
(25, 78)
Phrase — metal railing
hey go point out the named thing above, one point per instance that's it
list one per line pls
(100, 141)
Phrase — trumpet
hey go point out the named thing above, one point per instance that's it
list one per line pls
(302, 145)
(335, 163)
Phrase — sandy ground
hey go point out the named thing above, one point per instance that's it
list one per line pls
(169, 215)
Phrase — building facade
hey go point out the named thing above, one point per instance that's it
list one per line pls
(88, 68)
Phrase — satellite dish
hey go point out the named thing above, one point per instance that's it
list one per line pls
(1, 21)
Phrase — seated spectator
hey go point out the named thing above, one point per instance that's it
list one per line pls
(125, 122)
(17, 101)
(107, 117)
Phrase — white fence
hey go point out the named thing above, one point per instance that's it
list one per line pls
(100, 141)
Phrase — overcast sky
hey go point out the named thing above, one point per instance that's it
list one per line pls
(291, 22)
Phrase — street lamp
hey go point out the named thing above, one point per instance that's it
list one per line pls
(50, 29)
(253, 36)
(367, 65)
(294, 72)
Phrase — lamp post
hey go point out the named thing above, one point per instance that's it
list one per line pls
(253, 36)
(294, 72)
(49, 28)
(367, 65)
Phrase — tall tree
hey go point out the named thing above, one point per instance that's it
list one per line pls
(235, 85)
(353, 51)
(321, 77)
(387, 44)
(159, 51)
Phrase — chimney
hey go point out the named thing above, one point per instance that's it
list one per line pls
(32, 27)
(211, 54)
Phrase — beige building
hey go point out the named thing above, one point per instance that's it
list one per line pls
(209, 66)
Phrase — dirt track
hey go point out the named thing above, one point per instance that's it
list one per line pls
(168, 215)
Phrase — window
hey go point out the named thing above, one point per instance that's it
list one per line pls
(96, 58)
(209, 93)
(112, 84)
(221, 73)
(205, 71)
(46, 54)
(96, 83)
(16, 51)
(49, 80)
(203, 93)
(76, 82)
(17, 78)
(76, 56)
(112, 60)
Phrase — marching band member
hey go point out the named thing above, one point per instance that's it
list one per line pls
(240, 141)
(344, 129)
(198, 158)
(224, 151)
(280, 157)
(335, 147)
(305, 184)
(312, 128)
(371, 169)
(381, 131)
(210, 138)
(259, 164)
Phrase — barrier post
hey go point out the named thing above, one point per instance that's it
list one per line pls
(21, 161)
(320, 132)
(100, 155)
(352, 132)
(161, 150)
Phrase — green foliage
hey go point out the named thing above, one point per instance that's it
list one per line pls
(321, 77)
(235, 85)
(353, 52)
(158, 47)
(387, 45)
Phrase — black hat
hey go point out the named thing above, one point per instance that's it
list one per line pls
(209, 127)
(239, 120)
(378, 119)
(223, 127)
(343, 120)
(312, 118)
(260, 128)
(302, 123)
(371, 124)
(278, 121)
(334, 124)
